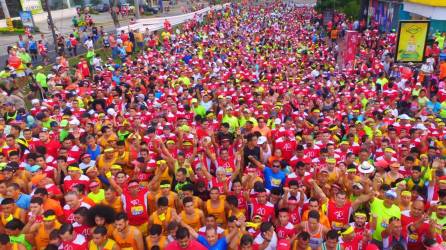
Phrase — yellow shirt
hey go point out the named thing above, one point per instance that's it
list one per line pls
(97, 198)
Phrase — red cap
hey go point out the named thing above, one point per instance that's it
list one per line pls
(381, 164)
(93, 184)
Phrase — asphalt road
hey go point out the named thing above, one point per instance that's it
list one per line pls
(64, 26)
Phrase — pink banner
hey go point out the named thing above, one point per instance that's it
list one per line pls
(351, 46)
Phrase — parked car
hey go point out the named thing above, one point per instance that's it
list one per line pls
(102, 7)
(150, 9)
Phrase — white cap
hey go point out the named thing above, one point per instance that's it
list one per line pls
(262, 139)
(75, 122)
(277, 121)
(111, 112)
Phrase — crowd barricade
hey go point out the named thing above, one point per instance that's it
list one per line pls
(157, 23)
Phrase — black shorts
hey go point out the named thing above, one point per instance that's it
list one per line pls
(33, 51)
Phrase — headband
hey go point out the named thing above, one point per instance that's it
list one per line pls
(73, 168)
(349, 230)
(49, 218)
(359, 214)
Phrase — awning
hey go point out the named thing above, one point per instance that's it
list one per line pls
(432, 12)
(433, 3)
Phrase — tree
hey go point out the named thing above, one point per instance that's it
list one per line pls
(113, 5)
(350, 7)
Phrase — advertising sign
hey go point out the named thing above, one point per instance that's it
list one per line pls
(27, 18)
(35, 6)
(412, 37)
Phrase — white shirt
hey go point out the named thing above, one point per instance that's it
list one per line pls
(272, 244)
(89, 44)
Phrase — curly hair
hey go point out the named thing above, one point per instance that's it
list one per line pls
(103, 211)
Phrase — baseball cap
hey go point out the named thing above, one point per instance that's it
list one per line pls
(93, 184)
(390, 194)
(262, 139)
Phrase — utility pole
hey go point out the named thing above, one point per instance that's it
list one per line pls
(6, 12)
(50, 19)
(137, 9)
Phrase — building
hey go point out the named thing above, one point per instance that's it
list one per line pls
(432, 10)
(384, 13)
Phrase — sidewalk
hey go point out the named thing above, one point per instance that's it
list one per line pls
(64, 26)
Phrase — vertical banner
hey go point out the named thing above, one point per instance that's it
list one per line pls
(411, 43)
(27, 19)
(351, 42)
(35, 6)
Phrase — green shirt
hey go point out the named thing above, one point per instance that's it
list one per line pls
(90, 55)
(63, 134)
(20, 239)
(440, 40)
(382, 81)
(25, 57)
(46, 124)
(200, 110)
(383, 215)
(232, 121)
(243, 120)
(438, 221)
(185, 80)
(97, 198)
(41, 79)
(443, 110)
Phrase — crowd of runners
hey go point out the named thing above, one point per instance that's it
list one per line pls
(237, 131)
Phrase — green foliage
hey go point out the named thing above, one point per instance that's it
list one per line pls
(78, 2)
(95, 2)
(6, 31)
(17, 24)
(350, 7)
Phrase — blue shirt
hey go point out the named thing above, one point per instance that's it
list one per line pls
(273, 179)
(94, 153)
(23, 201)
(433, 106)
(221, 244)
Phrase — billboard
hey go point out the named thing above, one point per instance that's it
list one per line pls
(35, 6)
(27, 19)
(411, 44)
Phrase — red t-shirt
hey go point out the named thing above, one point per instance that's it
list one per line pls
(414, 239)
(79, 243)
(193, 245)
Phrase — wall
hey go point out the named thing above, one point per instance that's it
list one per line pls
(42, 17)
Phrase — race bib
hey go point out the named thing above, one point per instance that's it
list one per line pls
(137, 210)
(276, 182)
(337, 225)
(162, 217)
(413, 238)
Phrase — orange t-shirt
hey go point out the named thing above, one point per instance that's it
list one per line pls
(442, 70)
(265, 131)
(323, 219)
(334, 34)
(53, 205)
